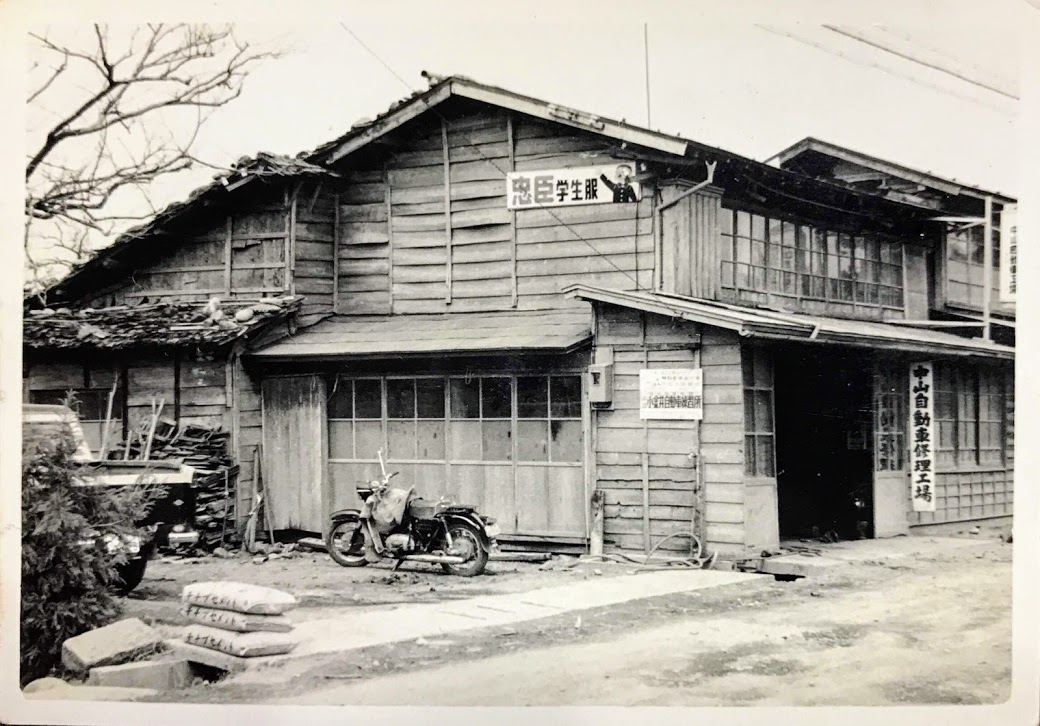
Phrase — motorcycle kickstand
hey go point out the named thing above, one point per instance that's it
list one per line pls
(397, 565)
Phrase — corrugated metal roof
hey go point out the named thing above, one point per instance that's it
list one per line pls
(759, 323)
(351, 336)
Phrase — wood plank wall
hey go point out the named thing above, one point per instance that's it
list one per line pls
(242, 254)
(690, 243)
(313, 244)
(644, 468)
(431, 232)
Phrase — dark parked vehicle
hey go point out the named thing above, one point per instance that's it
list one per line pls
(169, 523)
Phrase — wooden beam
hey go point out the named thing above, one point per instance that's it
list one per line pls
(389, 237)
(511, 142)
(987, 269)
(290, 282)
(227, 254)
(335, 254)
(447, 210)
(177, 386)
(287, 237)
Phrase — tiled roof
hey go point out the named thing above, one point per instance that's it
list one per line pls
(156, 326)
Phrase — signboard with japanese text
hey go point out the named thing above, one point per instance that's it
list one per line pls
(673, 393)
(1008, 253)
(606, 184)
(922, 437)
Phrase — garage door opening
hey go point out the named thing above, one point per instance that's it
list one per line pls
(824, 443)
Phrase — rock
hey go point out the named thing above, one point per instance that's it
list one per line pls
(289, 547)
(597, 572)
(244, 315)
(221, 552)
(160, 675)
(44, 684)
(275, 556)
(974, 530)
(260, 560)
(113, 644)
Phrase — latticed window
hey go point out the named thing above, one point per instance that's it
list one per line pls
(800, 261)
(759, 443)
(969, 416)
(890, 418)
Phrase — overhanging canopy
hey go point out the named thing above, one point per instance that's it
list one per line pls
(373, 336)
(769, 324)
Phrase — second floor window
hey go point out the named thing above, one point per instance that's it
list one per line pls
(799, 261)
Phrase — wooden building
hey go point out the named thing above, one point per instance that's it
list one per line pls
(529, 307)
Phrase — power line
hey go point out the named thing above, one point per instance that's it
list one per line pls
(469, 142)
(883, 69)
(646, 65)
(914, 59)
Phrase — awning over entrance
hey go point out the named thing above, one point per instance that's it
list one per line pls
(354, 336)
(769, 324)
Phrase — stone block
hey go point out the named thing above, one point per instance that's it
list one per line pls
(113, 644)
(161, 675)
(208, 657)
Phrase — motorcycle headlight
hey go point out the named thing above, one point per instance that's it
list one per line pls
(178, 528)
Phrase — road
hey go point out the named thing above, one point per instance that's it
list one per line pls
(923, 630)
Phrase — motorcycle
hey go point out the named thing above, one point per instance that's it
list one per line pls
(396, 524)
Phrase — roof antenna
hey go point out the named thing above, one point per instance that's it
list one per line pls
(646, 65)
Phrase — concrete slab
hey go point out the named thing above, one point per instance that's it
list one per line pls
(112, 644)
(353, 630)
(208, 657)
(161, 675)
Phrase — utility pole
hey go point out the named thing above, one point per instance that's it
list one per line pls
(646, 66)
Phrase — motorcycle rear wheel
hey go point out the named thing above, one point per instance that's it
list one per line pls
(350, 553)
(468, 535)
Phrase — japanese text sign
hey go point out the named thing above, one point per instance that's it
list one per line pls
(675, 393)
(922, 437)
(1008, 253)
(606, 184)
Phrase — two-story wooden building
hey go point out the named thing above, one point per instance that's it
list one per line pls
(530, 308)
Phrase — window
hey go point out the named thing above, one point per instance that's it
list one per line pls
(965, 262)
(969, 414)
(789, 259)
(890, 419)
(91, 406)
(759, 457)
(409, 418)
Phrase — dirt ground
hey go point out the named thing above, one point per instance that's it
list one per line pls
(923, 629)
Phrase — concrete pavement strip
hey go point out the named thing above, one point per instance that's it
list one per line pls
(350, 630)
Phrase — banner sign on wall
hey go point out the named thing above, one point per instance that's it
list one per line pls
(607, 184)
(675, 393)
(922, 437)
(1008, 252)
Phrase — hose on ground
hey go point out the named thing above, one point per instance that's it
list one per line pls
(647, 563)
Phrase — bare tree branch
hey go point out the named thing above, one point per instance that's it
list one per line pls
(117, 92)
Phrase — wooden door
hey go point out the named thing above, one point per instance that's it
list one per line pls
(891, 478)
(295, 452)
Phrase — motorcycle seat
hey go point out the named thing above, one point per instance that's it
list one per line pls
(421, 509)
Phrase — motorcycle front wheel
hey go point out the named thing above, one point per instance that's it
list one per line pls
(345, 544)
(466, 540)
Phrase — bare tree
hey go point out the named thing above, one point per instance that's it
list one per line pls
(130, 106)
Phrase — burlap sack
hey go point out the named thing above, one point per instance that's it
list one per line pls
(243, 645)
(238, 597)
(237, 622)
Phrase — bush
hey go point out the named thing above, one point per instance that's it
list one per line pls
(66, 586)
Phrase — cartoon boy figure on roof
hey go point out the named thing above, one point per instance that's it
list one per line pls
(622, 184)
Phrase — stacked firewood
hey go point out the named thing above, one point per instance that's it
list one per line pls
(206, 450)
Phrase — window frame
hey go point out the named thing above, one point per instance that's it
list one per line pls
(962, 387)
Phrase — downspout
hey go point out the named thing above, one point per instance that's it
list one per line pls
(659, 217)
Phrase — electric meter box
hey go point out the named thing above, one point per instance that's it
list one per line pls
(601, 382)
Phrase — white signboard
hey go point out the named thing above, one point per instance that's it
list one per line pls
(922, 437)
(607, 184)
(673, 393)
(1008, 253)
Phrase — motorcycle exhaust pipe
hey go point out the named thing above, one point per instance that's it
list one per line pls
(435, 559)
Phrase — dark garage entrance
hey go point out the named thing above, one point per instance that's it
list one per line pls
(824, 442)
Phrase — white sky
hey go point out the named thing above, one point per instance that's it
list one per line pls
(716, 77)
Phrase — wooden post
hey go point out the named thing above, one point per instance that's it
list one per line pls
(447, 210)
(335, 253)
(596, 537)
(227, 254)
(389, 236)
(290, 283)
(987, 268)
(646, 446)
(511, 143)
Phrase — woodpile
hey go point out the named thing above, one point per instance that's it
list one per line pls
(208, 452)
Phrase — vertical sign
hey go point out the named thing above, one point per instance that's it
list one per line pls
(922, 437)
(675, 393)
(1008, 252)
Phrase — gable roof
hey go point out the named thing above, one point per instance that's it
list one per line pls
(810, 146)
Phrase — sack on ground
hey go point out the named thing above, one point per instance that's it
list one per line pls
(237, 622)
(238, 597)
(243, 645)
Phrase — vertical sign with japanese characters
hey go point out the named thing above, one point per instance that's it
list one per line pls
(1008, 253)
(611, 184)
(922, 437)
